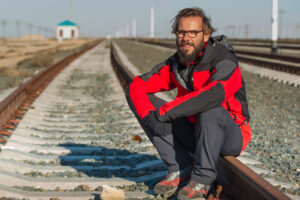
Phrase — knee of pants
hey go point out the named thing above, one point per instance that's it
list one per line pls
(210, 117)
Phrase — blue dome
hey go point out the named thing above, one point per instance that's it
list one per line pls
(67, 23)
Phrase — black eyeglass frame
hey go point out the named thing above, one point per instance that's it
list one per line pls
(188, 33)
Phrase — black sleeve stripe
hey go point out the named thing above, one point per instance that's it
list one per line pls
(156, 69)
(224, 70)
(204, 101)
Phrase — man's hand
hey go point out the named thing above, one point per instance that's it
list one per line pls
(156, 127)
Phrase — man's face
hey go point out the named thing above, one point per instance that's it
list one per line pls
(189, 47)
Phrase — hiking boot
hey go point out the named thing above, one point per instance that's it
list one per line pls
(194, 190)
(172, 181)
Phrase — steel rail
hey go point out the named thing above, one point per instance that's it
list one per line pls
(271, 56)
(236, 178)
(13, 106)
(280, 46)
(271, 65)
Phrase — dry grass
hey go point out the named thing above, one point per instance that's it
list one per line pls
(42, 60)
(6, 71)
(14, 72)
(20, 59)
(14, 51)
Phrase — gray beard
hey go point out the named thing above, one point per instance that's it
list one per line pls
(187, 59)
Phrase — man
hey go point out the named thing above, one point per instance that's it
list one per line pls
(209, 117)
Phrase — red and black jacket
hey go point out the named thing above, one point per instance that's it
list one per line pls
(214, 80)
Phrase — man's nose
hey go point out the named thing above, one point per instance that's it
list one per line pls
(186, 37)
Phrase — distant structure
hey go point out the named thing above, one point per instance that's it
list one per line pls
(152, 22)
(66, 30)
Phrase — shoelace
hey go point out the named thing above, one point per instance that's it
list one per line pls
(172, 176)
(196, 186)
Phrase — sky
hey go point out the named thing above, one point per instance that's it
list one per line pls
(100, 18)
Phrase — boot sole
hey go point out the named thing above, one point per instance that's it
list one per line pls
(171, 192)
(201, 198)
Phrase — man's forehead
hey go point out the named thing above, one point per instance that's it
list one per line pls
(191, 21)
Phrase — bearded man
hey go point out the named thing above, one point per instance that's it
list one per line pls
(208, 118)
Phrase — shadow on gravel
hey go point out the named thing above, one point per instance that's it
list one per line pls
(103, 162)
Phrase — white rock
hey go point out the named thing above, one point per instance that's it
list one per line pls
(110, 193)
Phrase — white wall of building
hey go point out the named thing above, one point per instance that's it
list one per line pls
(65, 32)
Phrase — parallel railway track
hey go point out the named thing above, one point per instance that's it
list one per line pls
(272, 63)
(266, 45)
(262, 44)
(67, 142)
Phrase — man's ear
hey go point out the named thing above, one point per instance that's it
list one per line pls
(206, 37)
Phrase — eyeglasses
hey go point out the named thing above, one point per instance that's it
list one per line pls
(191, 33)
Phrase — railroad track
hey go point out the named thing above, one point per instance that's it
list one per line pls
(260, 44)
(277, 62)
(77, 133)
(281, 68)
(76, 136)
(281, 45)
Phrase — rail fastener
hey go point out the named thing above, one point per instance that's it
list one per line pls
(6, 133)
(2, 141)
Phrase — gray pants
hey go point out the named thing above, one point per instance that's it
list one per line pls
(215, 133)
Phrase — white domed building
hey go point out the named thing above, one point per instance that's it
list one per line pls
(66, 30)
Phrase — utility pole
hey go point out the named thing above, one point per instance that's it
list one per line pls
(230, 30)
(46, 32)
(280, 23)
(3, 28)
(127, 31)
(70, 10)
(289, 31)
(133, 28)
(262, 31)
(246, 31)
(87, 26)
(39, 32)
(30, 28)
(226, 31)
(152, 22)
(274, 26)
(240, 31)
(18, 28)
(166, 20)
(233, 31)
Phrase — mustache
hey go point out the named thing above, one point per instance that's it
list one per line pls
(186, 43)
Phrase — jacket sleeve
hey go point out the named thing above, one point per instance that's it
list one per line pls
(159, 79)
(225, 82)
